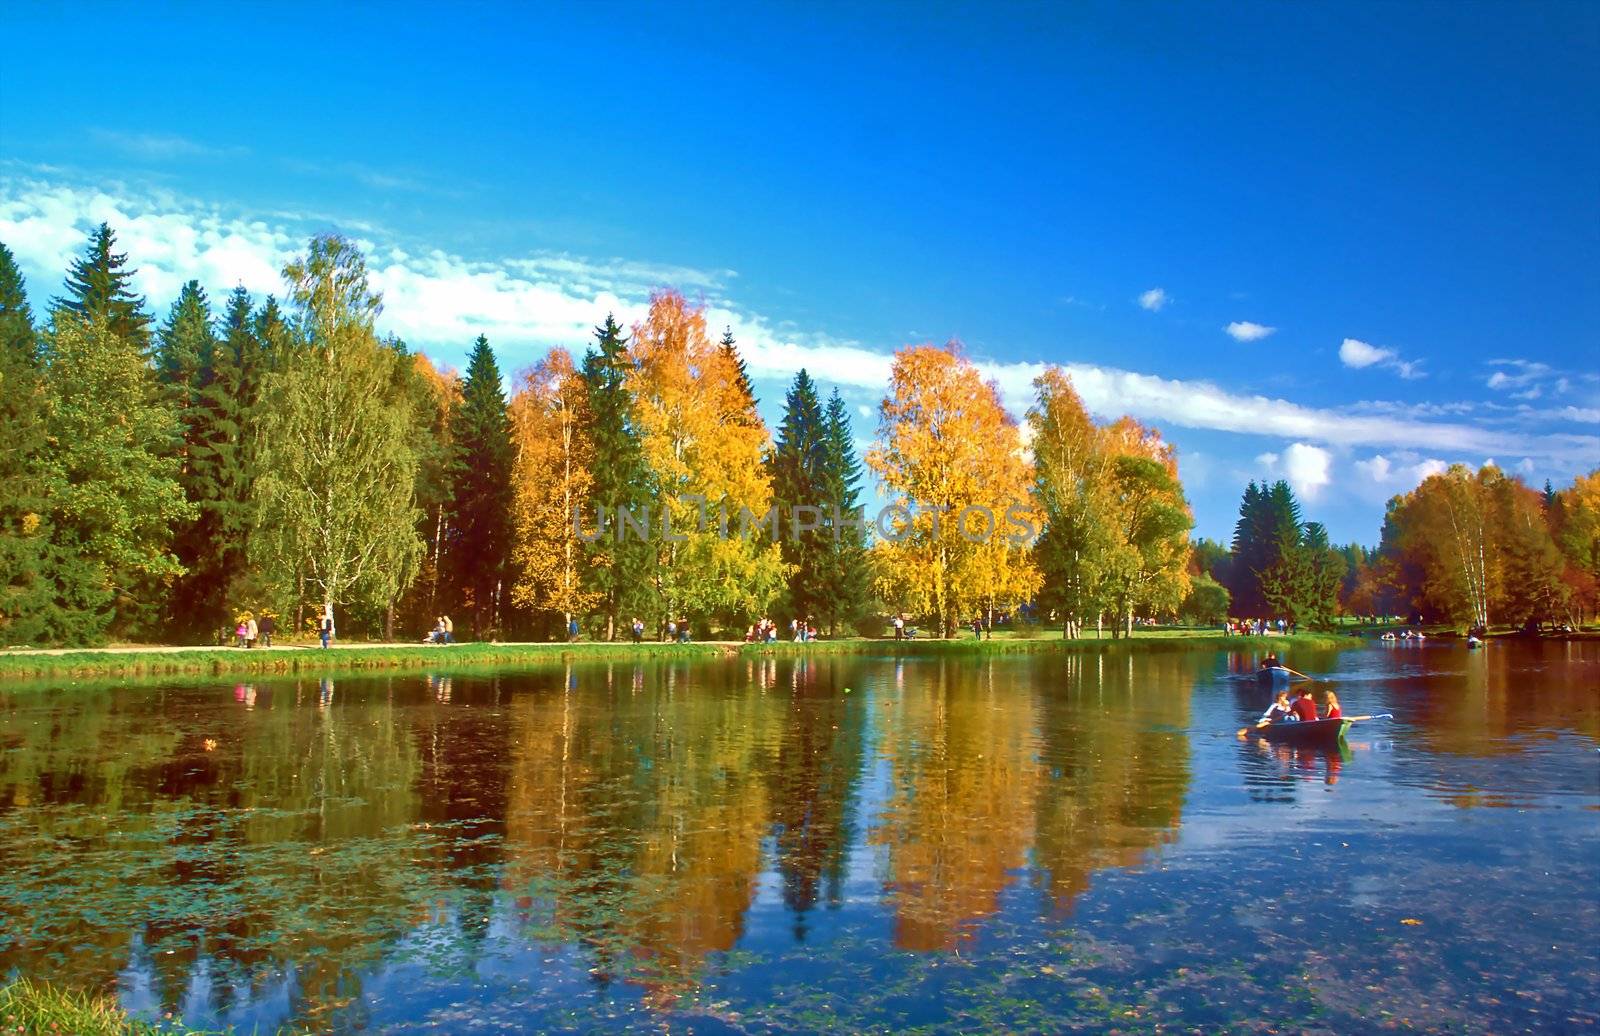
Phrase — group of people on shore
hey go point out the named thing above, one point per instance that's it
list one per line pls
(249, 630)
(1255, 627)
(444, 631)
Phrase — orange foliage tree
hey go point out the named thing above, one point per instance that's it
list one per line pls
(703, 448)
(551, 478)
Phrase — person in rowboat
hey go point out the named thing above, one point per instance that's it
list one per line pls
(1304, 706)
(1278, 712)
(1334, 712)
(1271, 661)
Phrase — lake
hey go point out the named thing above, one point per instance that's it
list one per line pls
(1033, 842)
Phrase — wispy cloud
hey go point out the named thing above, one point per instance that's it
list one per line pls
(1359, 355)
(1248, 331)
(526, 304)
(163, 146)
(1154, 299)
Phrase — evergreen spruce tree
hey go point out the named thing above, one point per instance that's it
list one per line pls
(849, 564)
(99, 287)
(25, 579)
(800, 480)
(481, 493)
(618, 567)
(746, 389)
(185, 358)
(1266, 536)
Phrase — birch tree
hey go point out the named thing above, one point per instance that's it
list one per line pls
(338, 520)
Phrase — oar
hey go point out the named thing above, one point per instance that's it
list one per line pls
(1259, 724)
(1297, 672)
(1381, 715)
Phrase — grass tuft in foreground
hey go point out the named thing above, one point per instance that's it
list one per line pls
(37, 1007)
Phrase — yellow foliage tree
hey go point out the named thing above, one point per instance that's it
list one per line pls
(703, 449)
(951, 460)
(551, 481)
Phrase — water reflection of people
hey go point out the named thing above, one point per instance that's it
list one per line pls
(325, 693)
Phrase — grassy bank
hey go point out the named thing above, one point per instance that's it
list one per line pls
(301, 661)
(36, 1007)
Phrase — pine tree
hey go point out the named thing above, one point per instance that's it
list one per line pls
(99, 288)
(849, 570)
(479, 553)
(617, 570)
(25, 583)
(1269, 521)
(801, 490)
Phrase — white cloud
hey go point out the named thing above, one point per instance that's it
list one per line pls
(440, 302)
(1399, 474)
(1153, 299)
(1353, 352)
(1248, 331)
(1307, 468)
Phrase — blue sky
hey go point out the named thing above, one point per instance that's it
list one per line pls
(1408, 196)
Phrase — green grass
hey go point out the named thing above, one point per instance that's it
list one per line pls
(37, 1007)
(303, 661)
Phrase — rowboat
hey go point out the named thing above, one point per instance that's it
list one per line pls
(1272, 676)
(1325, 732)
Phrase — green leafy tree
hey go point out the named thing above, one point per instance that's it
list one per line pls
(617, 569)
(1207, 601)
(25, 583)
(337, 520)
(99, 287)
(848, 563)
(111, 475)
(480, 509)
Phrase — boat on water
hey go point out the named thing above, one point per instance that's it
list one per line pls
(1474, 642)
(1327, 733)
(1272, 676)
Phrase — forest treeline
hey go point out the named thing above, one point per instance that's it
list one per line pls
(283, 454)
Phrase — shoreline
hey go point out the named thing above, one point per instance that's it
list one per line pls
(300, 660)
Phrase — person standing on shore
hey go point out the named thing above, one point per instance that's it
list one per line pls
(449, 631)
(269, 626)
(325, 630)
(252, 632)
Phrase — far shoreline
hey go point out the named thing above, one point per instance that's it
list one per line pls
(310, 659)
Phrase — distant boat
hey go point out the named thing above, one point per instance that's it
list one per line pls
(1388, 636)
(1474, 642)
(1272, 675)
(1326, 733)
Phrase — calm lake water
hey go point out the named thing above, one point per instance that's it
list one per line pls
(1027, 843)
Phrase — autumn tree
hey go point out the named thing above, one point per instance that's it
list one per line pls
(338, 520)
(1574, 516)
(950, 460)
(432, 393)
(551, 484)
(704, 462)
